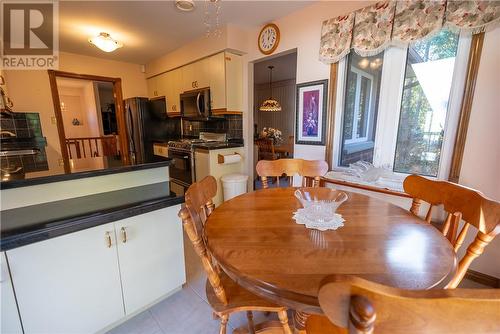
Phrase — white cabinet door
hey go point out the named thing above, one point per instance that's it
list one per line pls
(195, 75)
(10, 322)
(234, 82)
(68, 284)
(152, 84)
(151, 255)
(162, 84)
(174, 90)
(217, 73)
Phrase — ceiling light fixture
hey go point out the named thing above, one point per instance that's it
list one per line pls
(212, 28)
(185, 5)
(270, 104)
(104, 42)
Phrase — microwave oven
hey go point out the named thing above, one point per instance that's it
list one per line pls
(195, 104)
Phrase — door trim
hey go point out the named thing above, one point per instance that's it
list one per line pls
(119, 110)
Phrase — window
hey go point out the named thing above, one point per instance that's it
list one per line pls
(399, 109)
(426, 92)
(360, 108)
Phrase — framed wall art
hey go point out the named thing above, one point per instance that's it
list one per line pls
(311, 112)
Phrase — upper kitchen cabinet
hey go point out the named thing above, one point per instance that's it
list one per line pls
(222, 72)
(157, 86)
(196, 75)
(173, 91)
(226, 83)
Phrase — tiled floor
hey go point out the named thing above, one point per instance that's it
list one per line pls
(188, 312)
(185, 312)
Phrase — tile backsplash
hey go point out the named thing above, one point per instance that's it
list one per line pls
(230, 124)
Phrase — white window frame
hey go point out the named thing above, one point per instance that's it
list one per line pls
(359, 75)
(389, 108)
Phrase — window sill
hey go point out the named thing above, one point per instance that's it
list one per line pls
(358, 147)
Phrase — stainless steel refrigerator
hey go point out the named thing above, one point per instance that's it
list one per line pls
(147, 123)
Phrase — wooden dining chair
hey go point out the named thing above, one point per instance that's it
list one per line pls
(310, 170)
(224, 295)
(364, 307)
(266, 149)
(461, 203)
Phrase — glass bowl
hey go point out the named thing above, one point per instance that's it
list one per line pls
(320, 204)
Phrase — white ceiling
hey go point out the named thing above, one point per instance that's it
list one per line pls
(150, 29)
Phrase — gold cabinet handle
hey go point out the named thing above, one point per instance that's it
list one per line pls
(107, 239)
(124, 234)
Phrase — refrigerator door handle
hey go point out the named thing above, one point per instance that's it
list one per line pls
(130, 130)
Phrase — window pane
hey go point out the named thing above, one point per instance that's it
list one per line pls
(360, 108)
(364, 105)
(426, 91)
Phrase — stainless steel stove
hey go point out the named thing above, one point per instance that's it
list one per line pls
(205, 137)
(182, 172)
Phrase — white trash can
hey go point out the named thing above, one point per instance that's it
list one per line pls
(234, 185)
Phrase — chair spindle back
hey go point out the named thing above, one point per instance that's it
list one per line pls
(194, 213)
(461, 203)
(310, 170)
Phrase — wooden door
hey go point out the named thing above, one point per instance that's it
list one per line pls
(68, 284)
(10, 322)
(151, 253)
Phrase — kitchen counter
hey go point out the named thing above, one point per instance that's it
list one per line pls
(29, 224)
(216, 145)
(79, 175)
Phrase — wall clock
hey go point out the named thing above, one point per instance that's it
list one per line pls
(269, 38)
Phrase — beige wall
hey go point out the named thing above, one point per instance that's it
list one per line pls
(481, 163)
(197, 49)
(30, 91)
(301, 30)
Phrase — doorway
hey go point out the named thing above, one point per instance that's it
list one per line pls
(90, 121)
(274, 131)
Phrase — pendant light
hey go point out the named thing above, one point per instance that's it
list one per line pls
(270, 104)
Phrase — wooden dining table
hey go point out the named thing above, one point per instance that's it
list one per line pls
(260, 246)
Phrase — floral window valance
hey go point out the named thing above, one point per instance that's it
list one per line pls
(372, 29)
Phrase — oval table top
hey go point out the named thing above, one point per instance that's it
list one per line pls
(259, 245)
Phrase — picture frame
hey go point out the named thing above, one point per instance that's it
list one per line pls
(311, 110)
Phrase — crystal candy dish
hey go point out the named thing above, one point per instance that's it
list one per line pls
(319, 208)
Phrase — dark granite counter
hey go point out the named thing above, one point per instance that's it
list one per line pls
(216, 145)
(79, 175)
(25, 225)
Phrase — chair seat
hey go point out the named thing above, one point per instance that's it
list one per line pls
(239, 299)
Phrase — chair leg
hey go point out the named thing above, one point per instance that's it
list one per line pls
(223, 323)
(283, 316)
(251, 327)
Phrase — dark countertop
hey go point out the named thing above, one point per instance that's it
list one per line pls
(216, 145)
(26, 225)
(79, 175)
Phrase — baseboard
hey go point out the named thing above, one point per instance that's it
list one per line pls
(483, 279)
